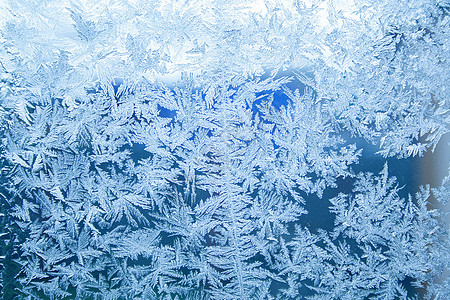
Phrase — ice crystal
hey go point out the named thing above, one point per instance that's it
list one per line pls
(195, 149)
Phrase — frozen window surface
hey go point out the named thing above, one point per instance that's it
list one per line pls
(224, 149)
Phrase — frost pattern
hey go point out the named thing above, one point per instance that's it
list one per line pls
(119, 184)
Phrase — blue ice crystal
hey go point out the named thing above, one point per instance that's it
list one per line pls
(224, 149)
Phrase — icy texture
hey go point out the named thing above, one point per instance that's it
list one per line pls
(171, 149)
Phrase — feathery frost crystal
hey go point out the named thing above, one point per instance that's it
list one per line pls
(223, 149)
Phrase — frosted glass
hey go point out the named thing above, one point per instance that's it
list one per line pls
(224, 149)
